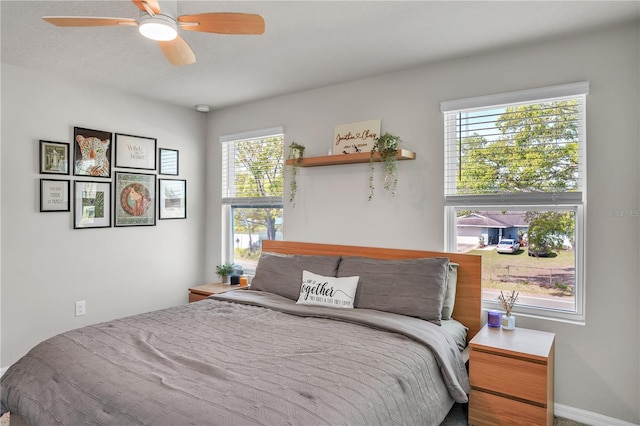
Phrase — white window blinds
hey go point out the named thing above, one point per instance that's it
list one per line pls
(525, 147)
(252, 168)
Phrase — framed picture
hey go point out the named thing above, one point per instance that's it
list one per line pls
(92, 204)
(135, 199)
(92, 152)
(172, 199)
(168, 161)
(54, 195)
(135, 152)
(54, 158)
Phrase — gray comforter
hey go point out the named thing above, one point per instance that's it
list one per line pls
(215, 362)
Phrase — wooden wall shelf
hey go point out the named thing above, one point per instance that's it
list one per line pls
(361, 157)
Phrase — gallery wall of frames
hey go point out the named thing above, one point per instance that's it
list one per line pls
(118, 180)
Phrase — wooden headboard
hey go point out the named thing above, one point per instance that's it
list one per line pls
(467, 308)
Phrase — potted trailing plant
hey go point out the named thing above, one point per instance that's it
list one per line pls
(296, 153)
(387, 147)
(225, 270)
(507, 302)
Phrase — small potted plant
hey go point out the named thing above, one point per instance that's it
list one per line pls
(225, 270)
(387, 147)
(507, 301)
(296, 153)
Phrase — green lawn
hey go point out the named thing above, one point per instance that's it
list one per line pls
(552, 276)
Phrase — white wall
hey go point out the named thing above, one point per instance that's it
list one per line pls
(46, 264)
(597, 366)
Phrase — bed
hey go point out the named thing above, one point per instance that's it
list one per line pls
(326, 335)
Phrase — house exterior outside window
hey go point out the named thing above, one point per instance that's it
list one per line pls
(252, 191)
(515, 193)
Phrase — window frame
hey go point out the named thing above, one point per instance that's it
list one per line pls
(228, 204)
(548, 201)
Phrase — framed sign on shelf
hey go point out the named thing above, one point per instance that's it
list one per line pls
(54, 158)
(92, 205)
(135, 199)
(168, 161)
(135, 152)
(54, 195)
(352, 138)
(172, 199)
(92, 152)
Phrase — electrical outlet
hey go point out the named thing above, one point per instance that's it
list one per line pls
(81, 308)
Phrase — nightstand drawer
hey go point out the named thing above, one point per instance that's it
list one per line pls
(506, 375)
(488, 409)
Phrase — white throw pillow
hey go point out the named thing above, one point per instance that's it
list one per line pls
(327, 291)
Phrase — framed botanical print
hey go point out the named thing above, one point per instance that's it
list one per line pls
(172, 199)
(54, 158)
(92, 152)
(169, 161)
(54, 195)
(92, 205)
(135, 152)
(135, 199)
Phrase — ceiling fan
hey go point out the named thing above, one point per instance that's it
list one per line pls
(162, 25)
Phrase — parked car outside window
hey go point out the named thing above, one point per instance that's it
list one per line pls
(508, 246)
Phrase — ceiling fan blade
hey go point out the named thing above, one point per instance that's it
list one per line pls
(153, 5)
(87, 21)
(223, 23)
(177, 51)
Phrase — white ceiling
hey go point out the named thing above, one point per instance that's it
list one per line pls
(307, 44)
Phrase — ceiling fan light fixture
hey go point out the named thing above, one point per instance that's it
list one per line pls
(158, 27)
(161, 24)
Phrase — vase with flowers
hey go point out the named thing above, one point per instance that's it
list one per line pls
(507, 301)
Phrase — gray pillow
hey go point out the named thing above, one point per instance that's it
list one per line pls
(450, 293)
(412, 287)
(282, 274)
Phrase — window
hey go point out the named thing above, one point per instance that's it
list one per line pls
(515, 169)
(252, 188)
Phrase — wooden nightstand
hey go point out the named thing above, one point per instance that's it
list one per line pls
(203, 291)
(511, 375)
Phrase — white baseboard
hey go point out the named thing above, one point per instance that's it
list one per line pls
(587, 417)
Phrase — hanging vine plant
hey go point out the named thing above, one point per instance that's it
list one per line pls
(387, 147)
(296, 153)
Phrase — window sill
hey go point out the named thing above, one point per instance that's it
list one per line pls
(538, 313)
